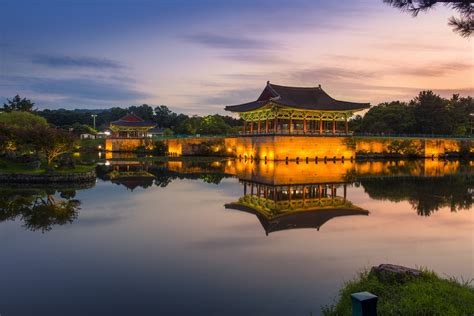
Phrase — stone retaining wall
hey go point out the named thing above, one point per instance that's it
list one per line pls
(302, 147)
(47, 178)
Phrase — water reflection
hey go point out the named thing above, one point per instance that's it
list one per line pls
(40, 209)
(281, 195)
(295, 206)
(426, 195)
(427, 185)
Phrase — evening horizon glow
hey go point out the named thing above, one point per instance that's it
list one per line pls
(196, 57)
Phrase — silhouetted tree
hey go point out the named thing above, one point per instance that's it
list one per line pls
(18, 104)
(464, 25)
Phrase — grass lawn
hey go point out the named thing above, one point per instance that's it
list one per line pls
(13, 167)
(426, 295)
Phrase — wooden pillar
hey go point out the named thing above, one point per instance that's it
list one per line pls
(245, 188)
(334, 126)
(251, 188)
(251, 127)
(320, 126)
(275, 125)
(266, 126)
(304, 125)
(245, 127)
(290, 126)
(346, 126)
(345, 192)
(258, 126)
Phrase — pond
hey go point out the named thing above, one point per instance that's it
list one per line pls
(228, 237)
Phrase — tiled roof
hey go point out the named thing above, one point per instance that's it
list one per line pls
(314, 98)
(132, 120)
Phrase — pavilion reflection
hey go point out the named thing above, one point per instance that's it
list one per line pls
(131, 174)
(286, 196)
(283, 207)
(294, 191)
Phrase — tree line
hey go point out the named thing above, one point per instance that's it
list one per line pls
(428, 113)
(177, 123)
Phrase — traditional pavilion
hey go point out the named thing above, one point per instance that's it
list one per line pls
(130, 126)
(282, 207)
(296, 110)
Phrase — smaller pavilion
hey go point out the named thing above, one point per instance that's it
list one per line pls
(130, 126)
(296, 110)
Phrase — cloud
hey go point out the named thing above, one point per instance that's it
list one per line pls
(257, 57)
(81, 88)
(234, 96)
(325, 74)
(75, 62)
(434, 69)
(226, 42)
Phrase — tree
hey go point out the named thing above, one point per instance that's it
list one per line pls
(144, 111)
(165, 117)
(18, 104)
(392, 117)
(464, 25)
(461, 111)
(214, 124)
(83, 129)
(52, 142)
(431, 113)
(18, 119)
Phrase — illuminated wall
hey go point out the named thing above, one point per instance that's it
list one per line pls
(422, 147)
(280, 173)
(280, 148)
(290, 147)
(123, 144)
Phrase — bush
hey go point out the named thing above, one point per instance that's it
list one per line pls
(425, 295)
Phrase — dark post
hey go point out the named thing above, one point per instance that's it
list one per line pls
(364, 304)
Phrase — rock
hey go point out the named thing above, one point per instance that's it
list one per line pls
(394, 273)
(34, 165)
(10, 154)
(49, 169)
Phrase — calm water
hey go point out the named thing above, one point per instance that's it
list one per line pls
(227, 238)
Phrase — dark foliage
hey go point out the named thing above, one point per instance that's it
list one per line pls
(428, 113)
(18, 104)
(463, 25)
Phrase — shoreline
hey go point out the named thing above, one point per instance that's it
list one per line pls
(45, 178)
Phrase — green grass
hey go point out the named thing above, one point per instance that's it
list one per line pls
(426, 295)
(21, 168)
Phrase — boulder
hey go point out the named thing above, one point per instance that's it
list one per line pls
(34, 165)
(394, 273)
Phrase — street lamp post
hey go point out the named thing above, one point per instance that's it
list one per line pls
(94, 116)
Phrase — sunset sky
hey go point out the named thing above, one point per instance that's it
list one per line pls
(196, 56)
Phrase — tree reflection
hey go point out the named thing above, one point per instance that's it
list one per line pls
(39, 210)
(425, 195)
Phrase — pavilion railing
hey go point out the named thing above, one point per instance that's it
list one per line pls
(329, 133)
